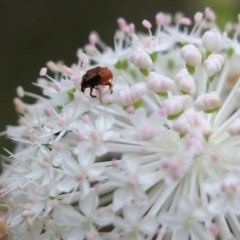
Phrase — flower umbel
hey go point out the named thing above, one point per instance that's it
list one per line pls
(157, 158)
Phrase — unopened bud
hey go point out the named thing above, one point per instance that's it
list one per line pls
(191, 55)
(140, 58)
(213, 64)
(209, 102)
(212, 40)
(185, 82)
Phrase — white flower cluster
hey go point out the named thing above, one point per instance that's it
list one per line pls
(157, 158)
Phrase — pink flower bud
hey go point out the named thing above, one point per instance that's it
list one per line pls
(140, 58)
(69, 71)
(176, 104)
(131, 27)
(160, 18)
(124, 96)
(191, 55)
(48, 111)
(208, 101)
(198, 17)
(185, 21)
(212, 40)
(159, 83)
(84, 59)
(93, 38)
(137, 91)
(185, 82)
(43, 72)
(210, 14)
(191, 120)
(53, 66)
(213, 64)
(20, 91)
(121, 23)
(146, 24)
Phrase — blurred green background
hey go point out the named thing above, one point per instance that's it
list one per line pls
(35, 31)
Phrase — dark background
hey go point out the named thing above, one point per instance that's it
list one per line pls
(35, 31)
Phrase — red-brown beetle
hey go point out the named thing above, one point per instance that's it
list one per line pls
(96, 76)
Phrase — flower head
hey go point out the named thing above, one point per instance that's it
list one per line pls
(157, 158)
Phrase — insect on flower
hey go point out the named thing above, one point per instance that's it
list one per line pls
(96, 76)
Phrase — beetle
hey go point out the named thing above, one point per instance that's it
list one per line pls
(96, 76)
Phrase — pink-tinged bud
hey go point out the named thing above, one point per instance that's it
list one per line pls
(163, 112)
(121, 23)
(115, 163)
(185, 82)
(34, 137)
(79, 137)
(137, 91)
(214, 229)
(159, 83)
(43, 72)
(53, 66)
(185, 21)
(209, 14)
(198, 17)
(93, 38)
(213, 64)
(48, 111)
(57, 86)
(146, 24)
(131, 28)
(50, 125)
(212, 40)
(132, 181)
(168, 18)
(191, 55)
(94, 136)
(208, 102)
(149, 42)
(20, 91)
(234, 128)
(140, 58)
(77, 82)
(176, 104)
(191, 120)
(124, 96)
(84, 59)
(19, 105)
(160, 18)
(69, 71)
(79, 177)
(107, 99)
(130, 110)
(85, 118)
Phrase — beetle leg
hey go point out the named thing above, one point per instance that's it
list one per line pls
(91, 89)
(108, 84)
